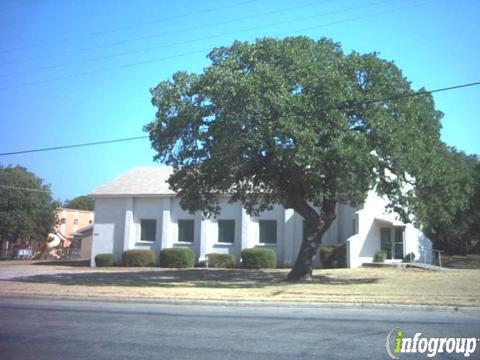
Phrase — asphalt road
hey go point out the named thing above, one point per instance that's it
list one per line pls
(38, 329)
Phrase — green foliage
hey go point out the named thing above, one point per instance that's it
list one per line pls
(102, 260)
(26, 215)
(410, 257)
(177, 258)
(341, 255)
(327, 256)
(84, 202)
(333, 256)
(295, 122)
(138, 258)
(258, 258)
(226, 261)
(450, 212)
(380, 256)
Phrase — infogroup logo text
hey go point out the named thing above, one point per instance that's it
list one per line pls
(397, 343)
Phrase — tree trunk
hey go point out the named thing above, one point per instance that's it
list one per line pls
(316, 225)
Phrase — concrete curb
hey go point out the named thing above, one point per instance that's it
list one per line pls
(246, 303)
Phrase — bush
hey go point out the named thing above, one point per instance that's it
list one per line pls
(258, 258)
(226, 261)
(138, 258)
(380, 256)
(327, 256)
(102, 260)
(341, 255)
(410, 257)
(177, 258)
(333, 256)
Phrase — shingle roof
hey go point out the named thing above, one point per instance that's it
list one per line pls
(139, 181)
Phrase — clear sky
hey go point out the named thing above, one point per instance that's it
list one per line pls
(80, 71)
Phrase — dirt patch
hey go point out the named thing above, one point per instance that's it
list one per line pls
(364, 285)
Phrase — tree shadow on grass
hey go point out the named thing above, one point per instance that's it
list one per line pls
(72, 263)
(188, 278)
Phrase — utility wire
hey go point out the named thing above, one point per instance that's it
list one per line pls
(339, 107)
(132, 26)
(210, 37)
(74, 146)
(163, 34)
(204, 50)
(418, 93)
(23, 188)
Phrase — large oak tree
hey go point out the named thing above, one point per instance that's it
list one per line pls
(296, 122)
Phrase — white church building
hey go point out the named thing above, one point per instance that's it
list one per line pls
(138, 210)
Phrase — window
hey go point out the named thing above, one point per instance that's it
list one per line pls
(63, 220)
(148, 229)
(398, 246)
(226, 231)
(268, 231)
(392, 242)
(386, 241)
(185, 230)
(75, 221)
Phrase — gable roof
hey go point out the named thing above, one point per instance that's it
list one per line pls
(138, 181)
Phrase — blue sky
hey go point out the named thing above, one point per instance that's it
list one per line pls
(80, 71)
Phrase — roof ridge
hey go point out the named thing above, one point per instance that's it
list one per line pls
(137, 181)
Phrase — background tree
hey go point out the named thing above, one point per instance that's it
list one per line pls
(25, 215)
(450, 208)
(295, 122)
(83, 202)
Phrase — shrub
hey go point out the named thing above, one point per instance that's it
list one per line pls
(226, 261)
(327, 256)
(380, 256)
(104, 260)
(333, 256)
(177, 258)
(410, 257)
(258, 258)
(138, 258)
(341, 255)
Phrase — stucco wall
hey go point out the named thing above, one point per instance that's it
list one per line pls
(117, 219)
(108, 231)
(229, 212)
(371, 218)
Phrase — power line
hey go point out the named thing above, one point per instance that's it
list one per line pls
(105, 69)
(418, 93)
(153, 36)
(73, 146)
(339, 107)
(210, 37)
(205, 50)
(23, 188)
(132, 26)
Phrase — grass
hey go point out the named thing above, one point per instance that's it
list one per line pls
(363, 285)
(471, 261)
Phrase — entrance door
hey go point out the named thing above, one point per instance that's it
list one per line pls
(386, 241)
(398, 245)
(393, 248)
